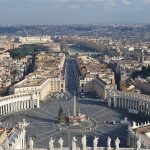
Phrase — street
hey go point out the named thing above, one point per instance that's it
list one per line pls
(72, 77)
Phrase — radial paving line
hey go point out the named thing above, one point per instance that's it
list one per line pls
(97, 112)
(103, 114)
(46, 107)
(102, 131)
(45, 133)
(41, 114)
(49, 112)
(47, 137)
(38, 122)
(39, 126)
(51, 135)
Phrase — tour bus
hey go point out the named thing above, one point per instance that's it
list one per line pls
(132, 111)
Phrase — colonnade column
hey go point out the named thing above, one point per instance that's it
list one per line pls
(109, 101)
(135, 105)
(146, 108)
(0, 110)
(21, 105)
(37, 103)
(24, 105)
(119, 102)
(3, 109)
(31, 104)
(18, 106)
(9, 108)
(14, 106)
(139, 106)
(114, 100)
(124, 103)
(28, 104)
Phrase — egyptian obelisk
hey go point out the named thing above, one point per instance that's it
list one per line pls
(74, 105)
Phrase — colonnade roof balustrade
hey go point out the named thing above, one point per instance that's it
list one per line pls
(84, 146)
(130, 94)
(13, 96)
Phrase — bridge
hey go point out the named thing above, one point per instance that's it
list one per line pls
(85, 53)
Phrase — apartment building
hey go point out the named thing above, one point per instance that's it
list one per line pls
(95, 76)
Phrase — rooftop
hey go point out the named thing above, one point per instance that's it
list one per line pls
(143, 133)
(28, 82)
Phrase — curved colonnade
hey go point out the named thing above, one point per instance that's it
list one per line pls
(127, 100)
(139, 102)
(14, 103)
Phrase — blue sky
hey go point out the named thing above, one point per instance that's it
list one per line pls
(74, 11)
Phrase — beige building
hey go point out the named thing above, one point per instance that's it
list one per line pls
(86, 85)
(47, 78)
(40, 87)
(103, 86)
(96, 76)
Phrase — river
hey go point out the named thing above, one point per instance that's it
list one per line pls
(78, 49)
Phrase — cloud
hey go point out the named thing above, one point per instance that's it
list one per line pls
(73, 7)
(126, 2)
(146, 1)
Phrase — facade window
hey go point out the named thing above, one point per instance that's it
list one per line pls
(61, 85)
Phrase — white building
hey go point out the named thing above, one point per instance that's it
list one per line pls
(35, 39)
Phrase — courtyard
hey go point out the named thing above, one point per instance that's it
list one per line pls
(103, 122)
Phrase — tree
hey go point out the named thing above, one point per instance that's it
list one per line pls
(61, 116)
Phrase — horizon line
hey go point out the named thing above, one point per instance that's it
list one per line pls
(68, 24)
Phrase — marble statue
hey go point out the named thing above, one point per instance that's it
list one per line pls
(6, 144)
(95, 143)
(24, 124)
(109, 142)
(61, 142)
(125, 119)
(1, 148)
(117, 143)
(74, 146)
(139, 144)
(30, 143)
(51, 144)
(84, 142)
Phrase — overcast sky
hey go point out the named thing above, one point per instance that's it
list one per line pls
(74, 11)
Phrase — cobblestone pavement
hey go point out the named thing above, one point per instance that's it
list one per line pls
(42, 122)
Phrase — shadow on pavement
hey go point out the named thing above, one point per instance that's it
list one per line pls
(39, 118)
